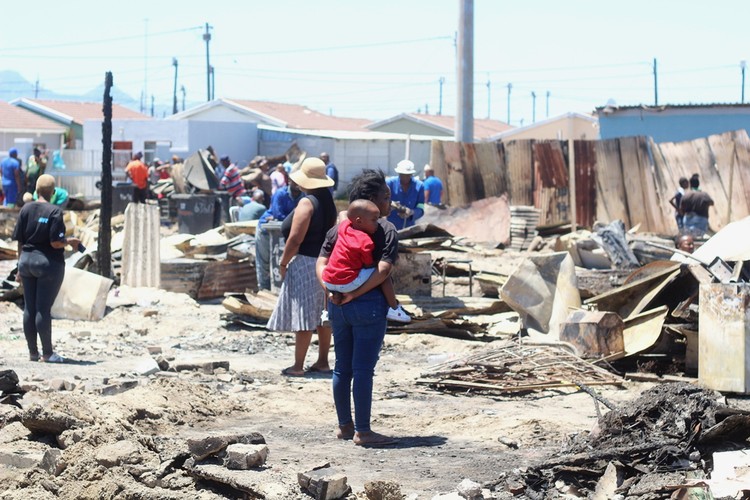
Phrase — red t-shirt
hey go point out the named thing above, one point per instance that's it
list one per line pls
(138, 171)
(352, 252)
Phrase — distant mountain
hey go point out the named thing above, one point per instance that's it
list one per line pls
(13, 86)
(118, 96)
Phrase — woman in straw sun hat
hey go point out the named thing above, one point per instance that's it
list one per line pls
(302, 297)
(40, 233)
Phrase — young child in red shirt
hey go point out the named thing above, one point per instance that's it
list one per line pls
(351, 263)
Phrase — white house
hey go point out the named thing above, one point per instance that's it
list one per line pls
(563, 127)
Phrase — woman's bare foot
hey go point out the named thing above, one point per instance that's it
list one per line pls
(345, 431)
(374, 439)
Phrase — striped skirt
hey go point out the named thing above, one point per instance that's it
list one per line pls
(301, 299)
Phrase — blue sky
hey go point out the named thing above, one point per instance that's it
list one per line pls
(374, 59)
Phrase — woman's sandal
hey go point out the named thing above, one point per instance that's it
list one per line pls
(53, 358)
(372, 439)
(289, 372)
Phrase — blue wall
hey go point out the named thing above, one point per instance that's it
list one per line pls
(672, 125)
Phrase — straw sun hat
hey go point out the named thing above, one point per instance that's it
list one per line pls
(311, 174)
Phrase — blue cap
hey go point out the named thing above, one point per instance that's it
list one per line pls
(12, 151)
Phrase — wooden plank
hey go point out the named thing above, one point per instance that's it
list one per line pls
(490, 169)
(455, 180)
(742, 143)
(666, 186)
(519, 159)
(631, 173)
(473, 182)
(452, 307)
(610, 187)
(724, 150)
(659, 221)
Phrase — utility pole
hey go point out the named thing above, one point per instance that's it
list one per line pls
(441, 81)
(207, 38)
(548, 104)
(533, 107)
(743, 65)
(152, 106)
(145, 62)
(510, 86)
(656, 86)
(426, 108)
(465, 114)
(174, 92)
(489, 96)
(36, 85)
(182, 89)
(213, 84)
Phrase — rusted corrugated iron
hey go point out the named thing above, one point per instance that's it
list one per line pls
(224, 276)
(630, 179)
(551, 164)
(519, 159)
(585, 183)
(182, 275)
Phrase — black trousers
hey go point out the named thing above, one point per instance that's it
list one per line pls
(41, 280)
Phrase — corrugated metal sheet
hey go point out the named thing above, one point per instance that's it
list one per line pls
(183, 275)
(519, 159)
(225, 276)
(551, 164)
(630, 179)
(585, 156)
(140, 250)
(610, 192)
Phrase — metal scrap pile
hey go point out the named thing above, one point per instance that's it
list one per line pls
(659, 445)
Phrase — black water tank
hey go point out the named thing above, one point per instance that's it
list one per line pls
(197, 213)
(122, 194)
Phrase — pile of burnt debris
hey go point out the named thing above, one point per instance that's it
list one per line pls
(665, 444)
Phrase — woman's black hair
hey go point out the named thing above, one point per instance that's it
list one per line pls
(325, 198)
(367, 185)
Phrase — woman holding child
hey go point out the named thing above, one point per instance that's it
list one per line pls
(301, 297)
(358, 317)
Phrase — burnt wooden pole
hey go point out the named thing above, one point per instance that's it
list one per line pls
(104, 251)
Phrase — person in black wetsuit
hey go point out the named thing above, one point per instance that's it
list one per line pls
(40, 233)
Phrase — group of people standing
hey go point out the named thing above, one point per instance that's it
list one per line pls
(15, 180)
(691, 207)
(336, 277)
(335, 269)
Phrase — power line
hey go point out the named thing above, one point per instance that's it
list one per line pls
(97, 42)
(336, 47)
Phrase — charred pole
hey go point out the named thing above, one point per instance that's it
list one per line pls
(104, 251)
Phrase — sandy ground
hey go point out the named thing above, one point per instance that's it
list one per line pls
(442, 438)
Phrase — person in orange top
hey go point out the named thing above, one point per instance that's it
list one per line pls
(137, 171)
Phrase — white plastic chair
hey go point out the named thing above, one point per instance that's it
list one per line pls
(234, 214)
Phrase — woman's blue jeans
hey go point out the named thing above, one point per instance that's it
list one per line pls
(358, 332)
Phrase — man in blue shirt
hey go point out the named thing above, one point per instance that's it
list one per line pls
(331, 171)
(433, 187)
(407, 194)
(11, 174)
(284, 200)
